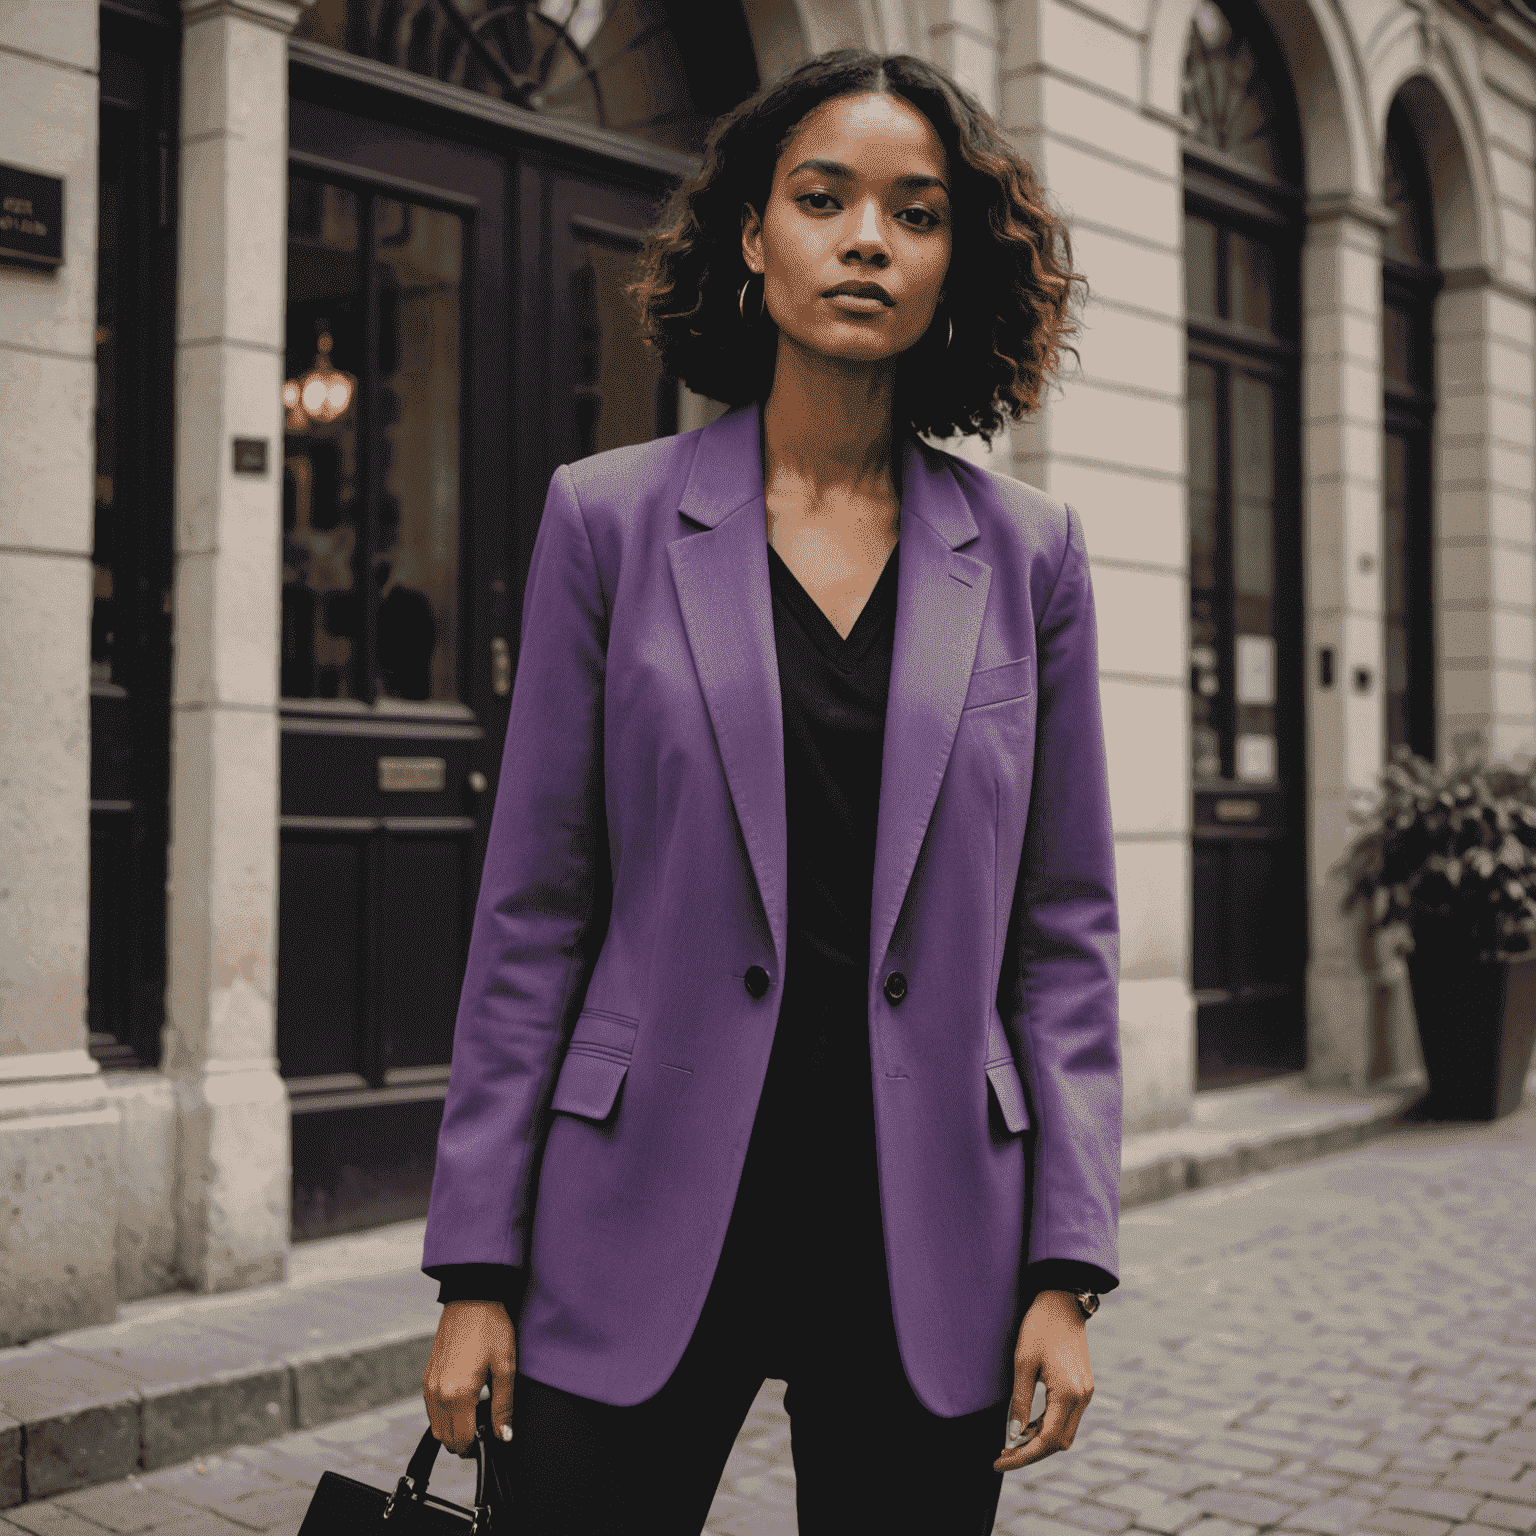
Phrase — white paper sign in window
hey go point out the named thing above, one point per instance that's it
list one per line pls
(1256, 759)
(1255, 669)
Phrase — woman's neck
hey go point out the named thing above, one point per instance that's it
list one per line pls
(827, 430)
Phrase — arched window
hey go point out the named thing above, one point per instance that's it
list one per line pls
(1410, 280)
(657, 71)
(1231, 101)
(1242, 235)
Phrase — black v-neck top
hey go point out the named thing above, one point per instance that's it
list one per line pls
(833, 693)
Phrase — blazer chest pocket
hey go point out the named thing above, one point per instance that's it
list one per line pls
(999, 685)
(596, 1061)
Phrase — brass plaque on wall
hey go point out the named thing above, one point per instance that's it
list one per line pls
(423, 775)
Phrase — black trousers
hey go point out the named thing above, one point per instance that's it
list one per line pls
(801, 1295)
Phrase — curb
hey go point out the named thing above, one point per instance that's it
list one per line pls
(1229, 1138)
(185, 1378)
(101, 1404)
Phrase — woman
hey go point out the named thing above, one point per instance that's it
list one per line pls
(788, 1040)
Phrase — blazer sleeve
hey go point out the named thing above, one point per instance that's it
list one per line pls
(541, 908)
(1063, 952)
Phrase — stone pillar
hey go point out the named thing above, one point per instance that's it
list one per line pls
(220, 1036)
(1111, 442)
(58, 1130)
(1485, 525)
(1342, 519)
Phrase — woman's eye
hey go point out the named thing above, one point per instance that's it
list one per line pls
(826, 198)
(927, 218)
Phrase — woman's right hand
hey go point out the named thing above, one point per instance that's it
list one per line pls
(475, 1341)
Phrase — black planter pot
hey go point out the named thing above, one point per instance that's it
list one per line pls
(1477, 1024)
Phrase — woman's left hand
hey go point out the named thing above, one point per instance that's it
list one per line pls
(1053, 1349)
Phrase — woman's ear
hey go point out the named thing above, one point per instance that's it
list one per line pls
(751, 239)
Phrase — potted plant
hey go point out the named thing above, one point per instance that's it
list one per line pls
(1450, 854)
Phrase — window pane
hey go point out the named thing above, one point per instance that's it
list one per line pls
(1397, 346)
(1250, 277)
(416, 541)
(1394, 563)
(1253, 575)
(1253, 484)
(1200, 267)
(618, 378)
(105, 554)
(321, 611)
(1205, 668)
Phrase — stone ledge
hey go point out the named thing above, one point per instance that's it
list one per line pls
(1235, 1132)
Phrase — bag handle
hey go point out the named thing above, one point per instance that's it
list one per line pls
(489, 1492)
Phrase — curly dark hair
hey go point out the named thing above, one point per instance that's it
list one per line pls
(1010, 291)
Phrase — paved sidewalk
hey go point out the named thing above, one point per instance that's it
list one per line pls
(1347, 1346)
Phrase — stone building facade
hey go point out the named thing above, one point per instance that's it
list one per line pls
(1300, 437)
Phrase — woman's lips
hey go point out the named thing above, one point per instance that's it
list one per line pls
(857, 302)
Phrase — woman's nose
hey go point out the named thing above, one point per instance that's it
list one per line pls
(868, 237)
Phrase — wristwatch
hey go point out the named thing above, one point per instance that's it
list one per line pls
(1088, 1301)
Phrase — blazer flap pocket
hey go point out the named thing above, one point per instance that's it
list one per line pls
(595, 1063)
(1009, 1093)
(588, 1085)
(995, 685)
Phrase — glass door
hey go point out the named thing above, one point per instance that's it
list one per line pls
(395, 666)
(1245, 707)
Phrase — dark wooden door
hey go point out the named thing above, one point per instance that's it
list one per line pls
(457, 309)
(395, 660)
(1246, 734)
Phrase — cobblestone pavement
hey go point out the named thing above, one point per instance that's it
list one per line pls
(1349, 1346)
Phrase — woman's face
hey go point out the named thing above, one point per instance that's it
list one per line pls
(859, 198)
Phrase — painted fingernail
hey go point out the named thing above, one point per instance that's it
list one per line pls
(506, 1431)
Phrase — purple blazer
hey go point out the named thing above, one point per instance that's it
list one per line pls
(609, 1052)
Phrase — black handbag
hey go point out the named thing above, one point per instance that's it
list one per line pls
(342, 1506)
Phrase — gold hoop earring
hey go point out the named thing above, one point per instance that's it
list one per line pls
(951, 341)
(741, 298)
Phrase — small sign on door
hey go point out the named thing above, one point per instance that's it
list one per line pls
(419, 775)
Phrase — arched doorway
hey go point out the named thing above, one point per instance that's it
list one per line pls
(1410, 281)
(1242, 238)
(469, 183)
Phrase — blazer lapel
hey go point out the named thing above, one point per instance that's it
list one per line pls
(721, 577)
(940, 598)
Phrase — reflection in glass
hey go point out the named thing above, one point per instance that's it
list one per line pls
(321, 540)
(618, 378)
(391, 510)
(416, 536)
(1200, 267)
(1249, 280)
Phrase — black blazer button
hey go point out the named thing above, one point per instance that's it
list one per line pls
(756, 980)
(895, 987)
